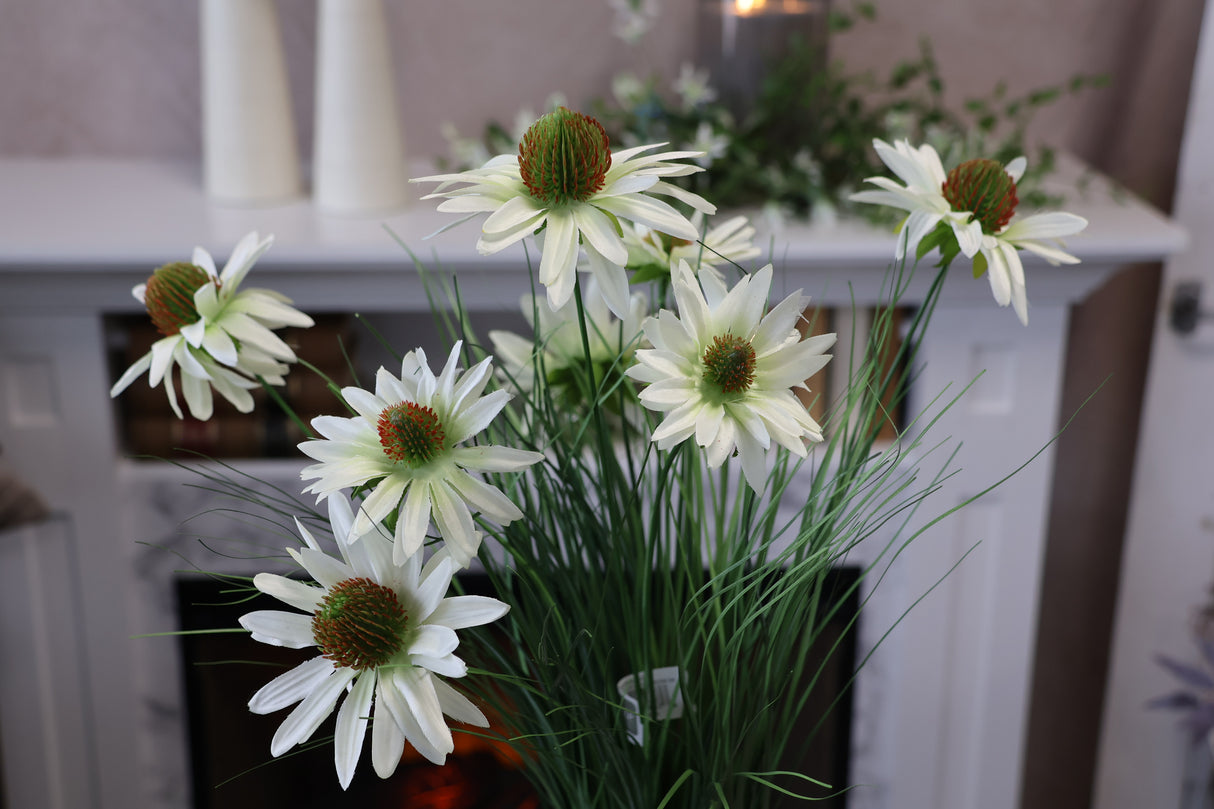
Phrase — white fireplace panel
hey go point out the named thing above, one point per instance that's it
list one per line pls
(993, 369)
(33, 394)
(45, 733)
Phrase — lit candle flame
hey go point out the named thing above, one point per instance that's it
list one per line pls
(744, 7)
(760, 8)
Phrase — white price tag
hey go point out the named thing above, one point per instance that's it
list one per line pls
(667, 700)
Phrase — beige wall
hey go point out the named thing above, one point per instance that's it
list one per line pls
(120, 77)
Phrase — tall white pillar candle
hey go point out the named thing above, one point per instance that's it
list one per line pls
(358, 163)
(250, 153)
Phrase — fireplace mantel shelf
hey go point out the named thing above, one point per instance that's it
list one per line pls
(946, 705)
(77, 234)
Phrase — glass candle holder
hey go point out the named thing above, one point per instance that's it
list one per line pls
(741, 40)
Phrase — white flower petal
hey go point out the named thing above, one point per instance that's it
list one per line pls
(201, 258)
(969, 237)
(387, 740)
(432, 640)
(163, 351)
(691, 200)
(352, 727)
(612, 282)
(457, 706)
(679, 425)
(708, 423)
(233, 388)
(559, 259)
(131, 374)
(269, 308)
(489, 458)
(341, 518)
(417, 687)
(394, 699)
(289, 629)
(197, 395)
(999, 277)
(471, 384)
(433, 585)
(244, 254)
(302, 722)
(459, 612)
(1016, 167)
(515, 214)
(753, 457)
(446, 666)
(1051, 254)
(366, 404)
(666, 393)
(291, 687)
(294, 593)
(451, 515)
(1054, 225)
(171, 393)
(487, 499)
(327, 571)
(412, 521)
(248, 331)
(380, 503)
(194, 332)
(650, 212)
(479, 415)
(598, 231)
(722, 445)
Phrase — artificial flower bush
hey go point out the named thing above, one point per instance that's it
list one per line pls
(619, 478)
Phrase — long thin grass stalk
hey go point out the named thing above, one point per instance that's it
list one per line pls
(628, 561)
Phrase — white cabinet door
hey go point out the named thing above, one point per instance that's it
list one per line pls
(1168, 564)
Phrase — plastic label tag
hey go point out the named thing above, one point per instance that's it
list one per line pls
(667, 699)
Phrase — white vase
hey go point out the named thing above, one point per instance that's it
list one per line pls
(249, 150)
(358, 163)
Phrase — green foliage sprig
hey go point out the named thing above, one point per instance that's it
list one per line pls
(808, 138)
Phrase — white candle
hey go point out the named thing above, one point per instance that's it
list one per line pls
(740, 40)
(249, 151)
(358, 161)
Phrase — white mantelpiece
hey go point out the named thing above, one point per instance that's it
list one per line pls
(942, 713)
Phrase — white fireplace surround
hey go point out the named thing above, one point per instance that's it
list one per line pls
(93, 718)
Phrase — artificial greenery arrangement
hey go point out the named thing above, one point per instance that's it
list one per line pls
(807, 137)
(659, 611)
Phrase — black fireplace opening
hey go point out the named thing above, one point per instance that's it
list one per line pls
(229, 747)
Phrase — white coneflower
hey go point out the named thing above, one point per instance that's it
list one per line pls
(724, 372)
(386, 637)
(407, 440)
(922, 197)
(219, 335)
(978, 200)
(566, 180)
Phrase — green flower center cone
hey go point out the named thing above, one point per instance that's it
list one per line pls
(359, 624)
(564, 158)
(729, 364)
(984, 188)
(411, 434)
(169, 295)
